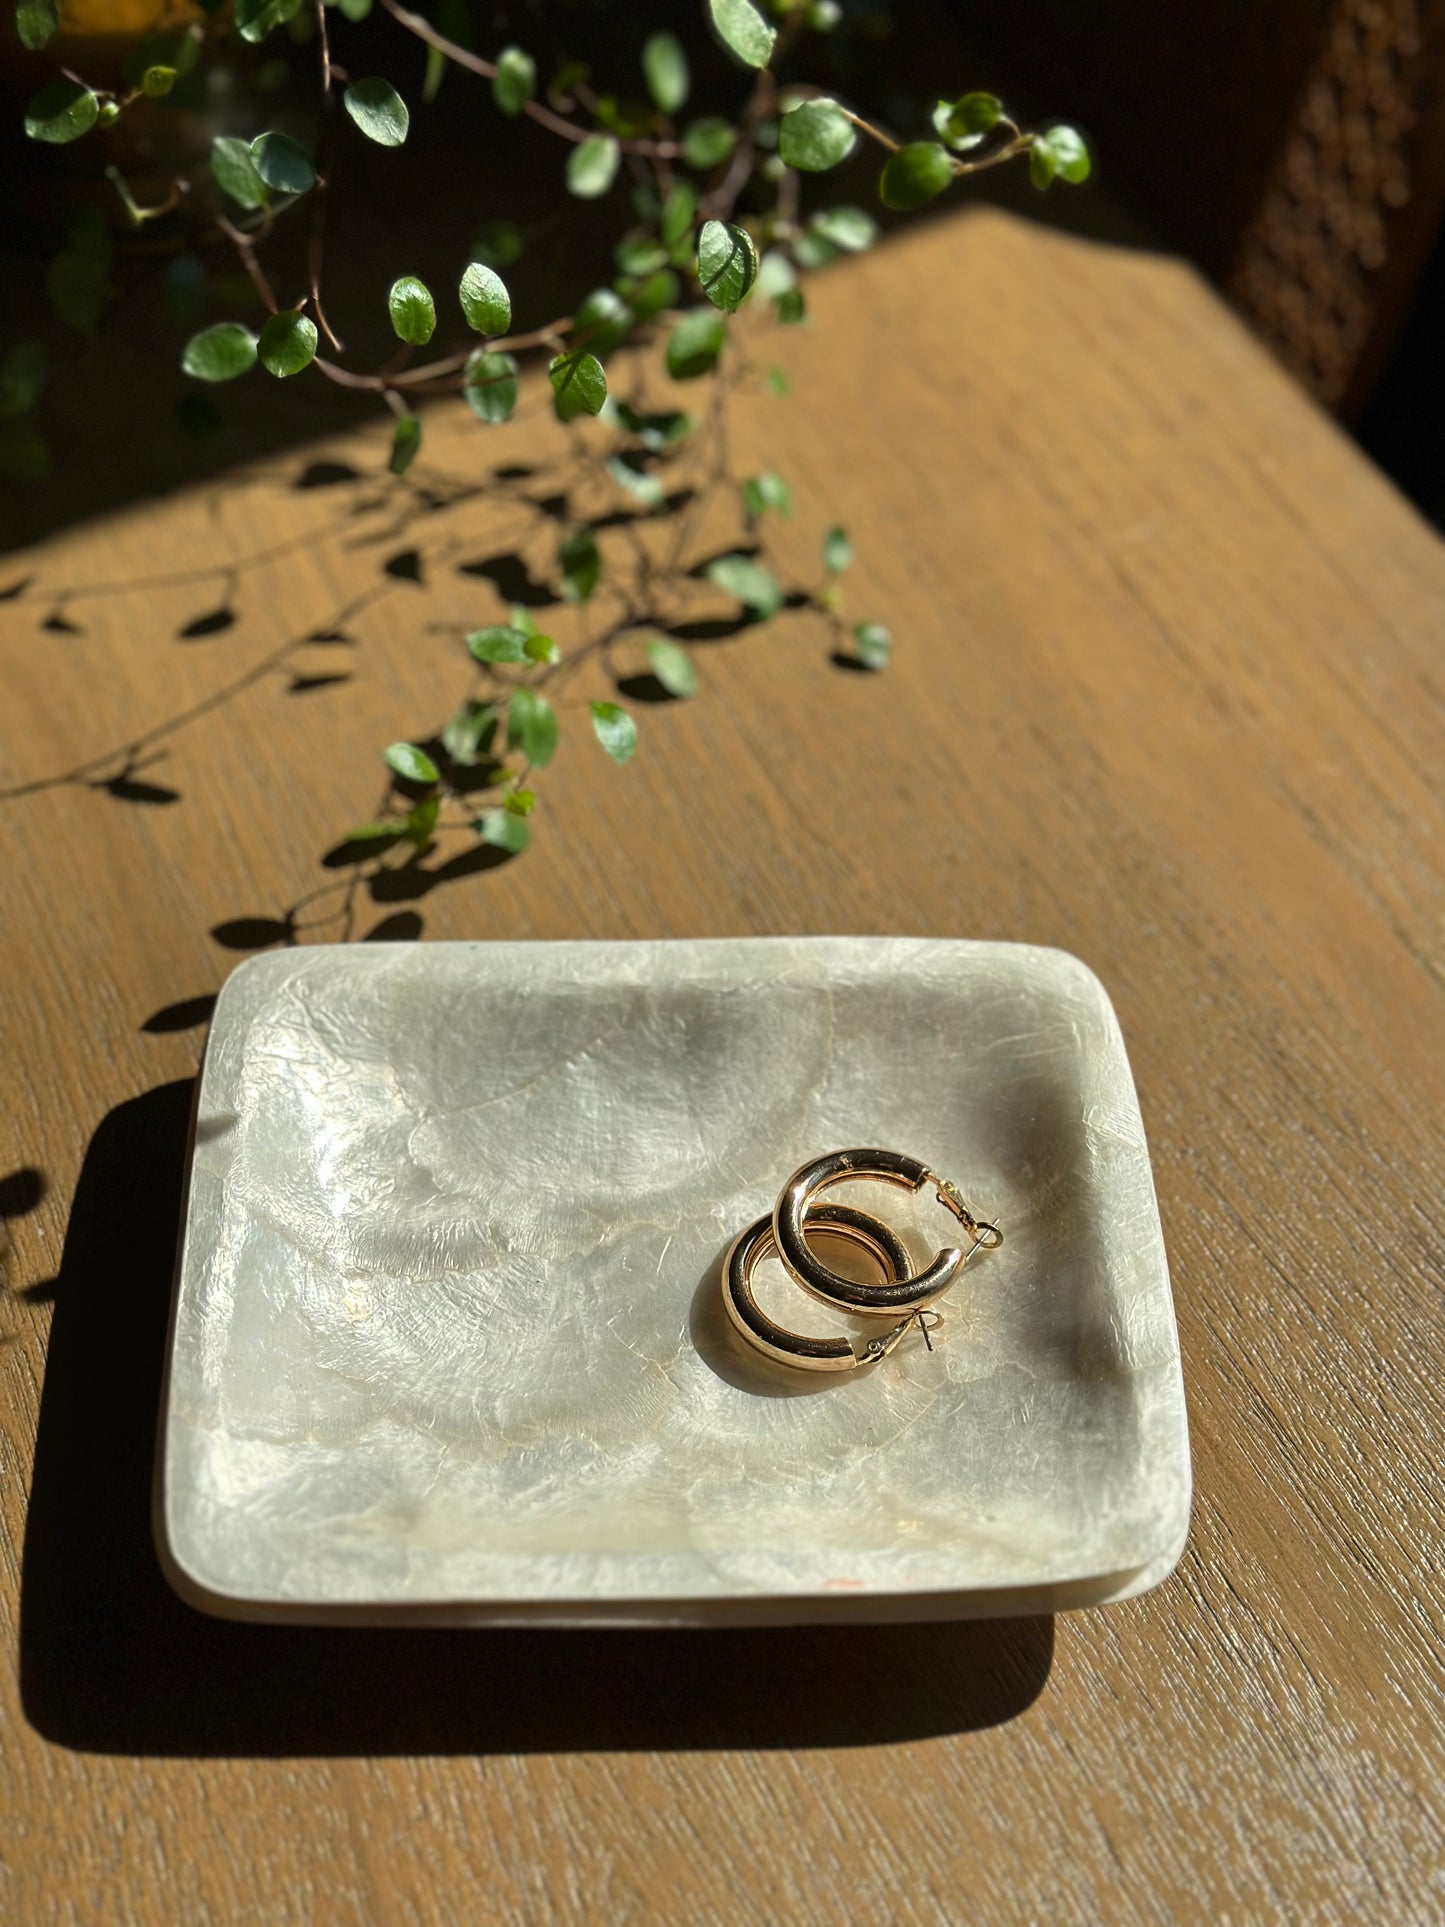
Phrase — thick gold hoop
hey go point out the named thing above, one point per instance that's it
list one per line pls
(795, 1209)
(775, 1341)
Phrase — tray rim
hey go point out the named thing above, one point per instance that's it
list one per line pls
(800, 1605)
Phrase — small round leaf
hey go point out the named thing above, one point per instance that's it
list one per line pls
(673, 667)
(1071, 156)
(875, 644)
(579, 386)
(413, 312)
(235, 173)
(848, 228)
(36, 21)
(695, 344)
(410, 762)
(485, 301)
(378, 110)
(592, 167)
(405, 441)
(816, 136)
(256, 18)
(727, 264)
(157, 82)
(532, 726)
(503, 831)
(515, 80)
(287, 344)
(615, 730)
(490, 384)
(743, 31)
(499, 643)
(756, 587)
(219, 353)
(282, 164)
(62, 111)
(708, 142)
(581, 562)
(837, 551)
(664, 67)
(915, 174)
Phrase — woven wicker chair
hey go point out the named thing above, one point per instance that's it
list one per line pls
(1296, 148)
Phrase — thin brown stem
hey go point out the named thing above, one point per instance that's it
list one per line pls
(556, 123)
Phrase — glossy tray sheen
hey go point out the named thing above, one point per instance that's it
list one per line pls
(447, 1342)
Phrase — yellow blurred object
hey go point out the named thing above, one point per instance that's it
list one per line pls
(115, 19)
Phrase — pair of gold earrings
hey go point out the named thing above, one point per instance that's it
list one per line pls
(785, 1232)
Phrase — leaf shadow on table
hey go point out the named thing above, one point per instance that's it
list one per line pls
(111, 1661)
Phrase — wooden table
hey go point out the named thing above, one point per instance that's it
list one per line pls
(1167, 693)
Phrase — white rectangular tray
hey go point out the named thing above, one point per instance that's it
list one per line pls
(447, 1342)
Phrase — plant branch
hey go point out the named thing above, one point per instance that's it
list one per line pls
(556, 123)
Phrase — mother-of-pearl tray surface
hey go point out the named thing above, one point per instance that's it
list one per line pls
(447, 1342)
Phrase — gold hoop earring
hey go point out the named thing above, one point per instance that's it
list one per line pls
(908, 1292)
(810, 1354)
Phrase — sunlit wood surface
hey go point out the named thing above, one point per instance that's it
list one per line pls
(1167, 692)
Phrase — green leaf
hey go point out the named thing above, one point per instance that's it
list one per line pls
(708, 142)
(405, 441)
(35, 22)
(287, 344)
(519, 802)
(532, 726)
(672, 666)
(875, 644)
(453, 20)
(499, 643)
(615, 730)
(421, 821)
(1042, 165)
(776, 274)
(816, 136)
(972, 115)
(234, 172)
(62, 111)
(256, 18)
(22, 379)
(658, 291)
(157, 82)
(848, 228)
(727, 264)
(743, 30)
(579, 387)
(811, 250)
(601, 320)
(220, 353)
(679, 211)
(581, 564)
(503, 831)
(756, 587)
(640, 483)
(664, 67)
(915, 174)
(592, 167)
(355, 9)
(413, 312)
(767, 491)
(640, 253)
(791, 307)
(490, 384)
(282, 164)
(837, 551)
(515, 80)
(497, 244)
(485, 301)
(1070, 155)
(378, 110)
(777, 381)
(468, 736)
(695, 344)
(407, 761)
(377, 832)
(539, 648)
(823, 15)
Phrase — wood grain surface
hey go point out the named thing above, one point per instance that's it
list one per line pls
(1167, 693)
